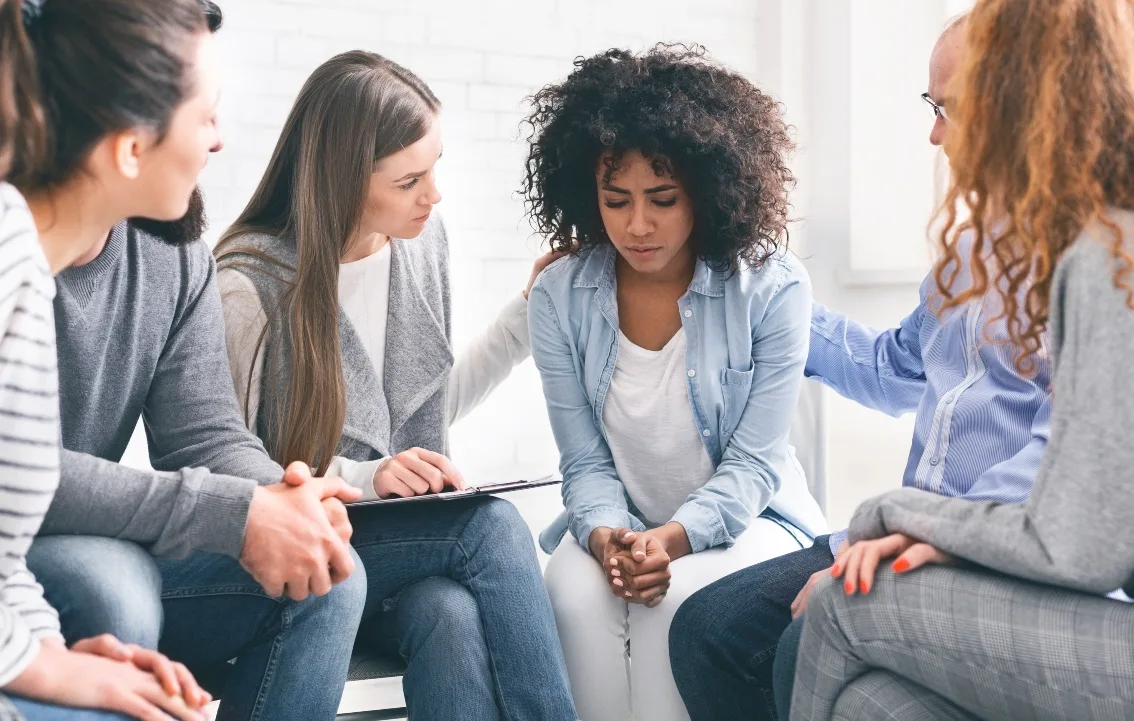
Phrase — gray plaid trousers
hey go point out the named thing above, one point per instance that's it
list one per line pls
(950, 643)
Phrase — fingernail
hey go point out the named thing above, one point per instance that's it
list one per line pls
(618, 582)
(835, 570)
(616, 573)
(614, 561)
(849, 588)
(628, 594)
(901, 565)
(865, 587)
(640, 554)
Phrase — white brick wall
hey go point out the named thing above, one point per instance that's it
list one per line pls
(481, 57)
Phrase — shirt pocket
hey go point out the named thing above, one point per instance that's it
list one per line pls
(735, 387)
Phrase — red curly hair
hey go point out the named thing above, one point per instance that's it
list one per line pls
(1041, 143)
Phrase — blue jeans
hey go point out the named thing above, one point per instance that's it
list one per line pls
(783, 670)
(36, 711)
(455, 588)
(292, 658)
(722, 643)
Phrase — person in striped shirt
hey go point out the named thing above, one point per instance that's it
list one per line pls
(980, 432)
(97, 679)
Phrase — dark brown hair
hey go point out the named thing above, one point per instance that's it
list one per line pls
(708, 125)
(1042, 143)
(354, 110)
(77, 70)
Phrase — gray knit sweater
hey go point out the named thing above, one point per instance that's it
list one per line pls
(1077, 528)
(141, 334)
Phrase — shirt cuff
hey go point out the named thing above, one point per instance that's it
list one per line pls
(360, 475)
(582, 526)
(702, 526)
(837, 540)
(514, 317)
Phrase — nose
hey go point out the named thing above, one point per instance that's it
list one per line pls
(639, 226)
(937, 133)
(218, 144)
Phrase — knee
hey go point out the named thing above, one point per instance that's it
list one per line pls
(342, 607)
(697, 628)
(100, 585)
(497, 522)
(440, 608)
(574, 582)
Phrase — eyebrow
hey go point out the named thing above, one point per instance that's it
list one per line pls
(420, 173)
(649, 191)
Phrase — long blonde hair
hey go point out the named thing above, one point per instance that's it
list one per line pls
(354, 110)
(1042, 142)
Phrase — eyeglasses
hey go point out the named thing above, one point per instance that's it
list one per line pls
(938, 110)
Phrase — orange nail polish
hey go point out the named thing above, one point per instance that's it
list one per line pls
(835, 570)
(901, 565)
(865, 587)
(849, 588)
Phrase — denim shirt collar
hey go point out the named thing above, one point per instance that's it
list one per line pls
(598, 272)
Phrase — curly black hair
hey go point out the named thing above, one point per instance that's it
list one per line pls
(721, 136)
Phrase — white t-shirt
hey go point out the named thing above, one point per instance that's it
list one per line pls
(364, 295)
(653, 437)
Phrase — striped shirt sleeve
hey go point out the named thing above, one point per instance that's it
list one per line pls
(29, 430)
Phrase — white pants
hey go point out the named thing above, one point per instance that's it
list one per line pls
(598, 630)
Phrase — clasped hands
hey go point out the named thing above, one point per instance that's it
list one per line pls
(636, 563)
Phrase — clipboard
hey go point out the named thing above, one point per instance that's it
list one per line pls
(466, 493)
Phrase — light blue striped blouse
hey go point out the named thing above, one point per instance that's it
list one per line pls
(981, 428)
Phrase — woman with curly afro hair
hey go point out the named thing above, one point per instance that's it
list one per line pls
(671, 345)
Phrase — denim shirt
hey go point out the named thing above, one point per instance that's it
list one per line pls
(747, 336)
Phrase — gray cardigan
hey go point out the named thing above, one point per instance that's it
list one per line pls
(1077, 528)
(407, 407)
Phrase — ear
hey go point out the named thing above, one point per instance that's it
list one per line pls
(127, 148)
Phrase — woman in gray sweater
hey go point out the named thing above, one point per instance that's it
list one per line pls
(1020, 627)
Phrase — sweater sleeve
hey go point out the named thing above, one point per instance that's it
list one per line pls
(191, 413)
(1080, 515)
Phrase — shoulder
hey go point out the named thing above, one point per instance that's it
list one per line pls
(781, 275)
(191, 264)
(18, 235)
(559, 278)
(21, 256)
(1089, 272)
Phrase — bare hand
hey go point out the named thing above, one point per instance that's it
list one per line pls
(860, 561)
(541, 263)
(174, 677)
(799, 605)
(416, 472)
(83, 680)
(291, 546)
(296, 474)
(637, 567)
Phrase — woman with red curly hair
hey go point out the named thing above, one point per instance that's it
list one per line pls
(1022, 628)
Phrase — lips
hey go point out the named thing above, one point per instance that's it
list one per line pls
(423, 218)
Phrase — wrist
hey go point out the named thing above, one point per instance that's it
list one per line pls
(598, 540)
(673, 539)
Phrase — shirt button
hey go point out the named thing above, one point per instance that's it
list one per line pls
(706, 433)
(692, 373)
(934, 461)
(688, 314)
